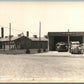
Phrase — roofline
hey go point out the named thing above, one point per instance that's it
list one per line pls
(66, 33)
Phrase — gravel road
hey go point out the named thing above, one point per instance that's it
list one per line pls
(27, 67)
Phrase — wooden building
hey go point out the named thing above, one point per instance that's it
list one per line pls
(23, 42)
(19, 42)
(36, 44)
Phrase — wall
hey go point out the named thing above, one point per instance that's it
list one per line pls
(51, 43)
(83, 39)
(23, 43)
(26, 43)
(0, 45)
(37, 44)
(13, 51)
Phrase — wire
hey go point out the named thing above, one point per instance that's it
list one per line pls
(13, 29)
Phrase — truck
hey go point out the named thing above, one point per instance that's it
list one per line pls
(75, 47)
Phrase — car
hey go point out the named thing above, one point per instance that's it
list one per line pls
(61, 47)
(82, 48)
(75, 47)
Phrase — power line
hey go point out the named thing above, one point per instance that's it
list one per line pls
(14, 29)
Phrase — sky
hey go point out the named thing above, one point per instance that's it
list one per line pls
(55, 16)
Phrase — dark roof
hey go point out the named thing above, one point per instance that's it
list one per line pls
(37, 39)
(17, 37)
(65, 33)
(12, 38)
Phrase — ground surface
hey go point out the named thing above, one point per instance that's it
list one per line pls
(51, 66)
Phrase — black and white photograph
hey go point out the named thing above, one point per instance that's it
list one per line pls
(41, 41)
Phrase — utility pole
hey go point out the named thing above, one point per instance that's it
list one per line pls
(68, 40)
(39, 31)
(9, 36)
(39, 37)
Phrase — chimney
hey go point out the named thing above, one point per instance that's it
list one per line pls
(35, 36)
(19, 35)
(27, 33)
(6, 36)
(22, 34)
(2, 32)
(46, 36)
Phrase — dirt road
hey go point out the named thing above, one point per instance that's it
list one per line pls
(41, 68)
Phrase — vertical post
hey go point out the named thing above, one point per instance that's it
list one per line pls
(39, 37)
(2, 32)
(9, 36)
(27, 33)
(39, 31)
(68, 40)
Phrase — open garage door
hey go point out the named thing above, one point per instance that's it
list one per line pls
(59, 39)
(76, 38)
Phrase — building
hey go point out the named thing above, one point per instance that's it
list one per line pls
(55, 37)
(23, 42)
(19, 42)
(36, 44)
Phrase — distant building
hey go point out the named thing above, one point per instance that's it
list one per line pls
(23, 42)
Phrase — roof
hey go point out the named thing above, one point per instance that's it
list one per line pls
(17, 37)
(12, 38)
(65, 33)
(37, 39)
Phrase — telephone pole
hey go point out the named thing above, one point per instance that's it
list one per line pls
(9, 36)
(39, 37)
(39, 31)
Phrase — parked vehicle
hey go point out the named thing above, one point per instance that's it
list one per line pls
(82, 48)
(61, 47)
(75, 47)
